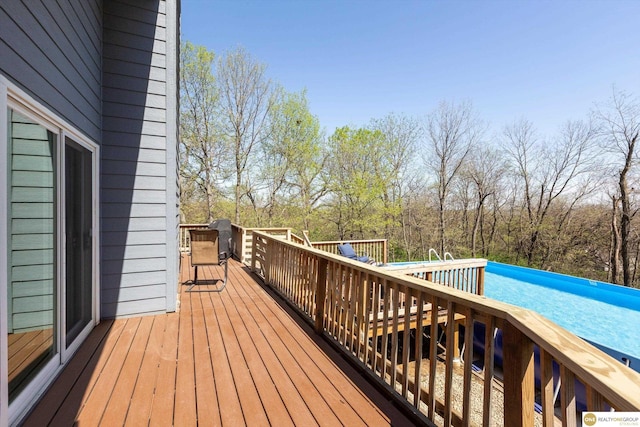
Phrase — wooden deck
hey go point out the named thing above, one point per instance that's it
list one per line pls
(239, 357)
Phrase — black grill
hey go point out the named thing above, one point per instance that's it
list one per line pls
(223, 226)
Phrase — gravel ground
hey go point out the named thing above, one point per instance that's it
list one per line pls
(477, 390)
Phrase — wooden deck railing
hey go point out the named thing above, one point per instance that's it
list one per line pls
(463, 274)
(343, 299)
(374, 248)
(185, 242)
(241, 238)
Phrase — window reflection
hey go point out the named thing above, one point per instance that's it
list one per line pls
(31, 285)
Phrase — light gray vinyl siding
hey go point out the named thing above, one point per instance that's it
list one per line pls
(52, 50)
(138, 241)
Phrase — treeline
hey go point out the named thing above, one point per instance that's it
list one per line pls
(253, 152)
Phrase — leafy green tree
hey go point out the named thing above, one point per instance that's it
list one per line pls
(294, 157)
(356, 185)
(202, 150)
(394, 164)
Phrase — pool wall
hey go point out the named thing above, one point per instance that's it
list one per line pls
(620, 296)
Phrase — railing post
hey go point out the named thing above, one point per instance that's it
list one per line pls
(519, 384)
(253, 254)
(385, 249)
(321, 293)
(243, 244)
(480, 286)
(268, 257)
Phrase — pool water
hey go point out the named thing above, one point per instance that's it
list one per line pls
(600, 322)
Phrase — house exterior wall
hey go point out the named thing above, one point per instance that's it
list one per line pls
(110, 70)
(52, 50)
(139, 158)
(102, 73)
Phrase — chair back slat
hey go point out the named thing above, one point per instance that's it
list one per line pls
(204, 247)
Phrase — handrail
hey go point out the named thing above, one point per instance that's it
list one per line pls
(242, 239)
(463, 274)
(373, 248)
(184, 239)
(449, 255)
(433, 251)
(341, 298)
(297, 239)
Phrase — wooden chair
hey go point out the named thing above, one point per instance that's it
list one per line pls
(205, 252)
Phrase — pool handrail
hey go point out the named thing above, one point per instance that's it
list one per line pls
(433, 251)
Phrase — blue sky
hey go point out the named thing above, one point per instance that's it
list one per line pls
(546, 61)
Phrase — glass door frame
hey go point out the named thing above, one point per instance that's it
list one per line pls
(12, 97)
(67, 352)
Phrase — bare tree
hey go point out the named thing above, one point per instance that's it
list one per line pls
(549, 172)
(452, 131)
(614, 251)
(245, 100)
(485, 169)
(620, 130)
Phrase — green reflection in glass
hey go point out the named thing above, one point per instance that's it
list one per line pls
(32, 230)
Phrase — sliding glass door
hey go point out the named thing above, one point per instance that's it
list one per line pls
(50, 198)
(79, 239)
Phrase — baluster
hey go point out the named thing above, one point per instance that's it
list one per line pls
(417, 383)
(489, 350)
(519, 386)
(468, 361)
(568, 396)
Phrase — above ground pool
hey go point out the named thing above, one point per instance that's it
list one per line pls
(606, 315)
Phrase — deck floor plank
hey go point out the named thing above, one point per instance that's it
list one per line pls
(72, 405)
(185, 403)
(107, 383)
(164, 392)
(238, 357)
(139, 412)
(208, 413)
(116, 410)
(292, 393)
(276, 339)
(257, 360)
(316, 365)
(252, 408)
(226, 392)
